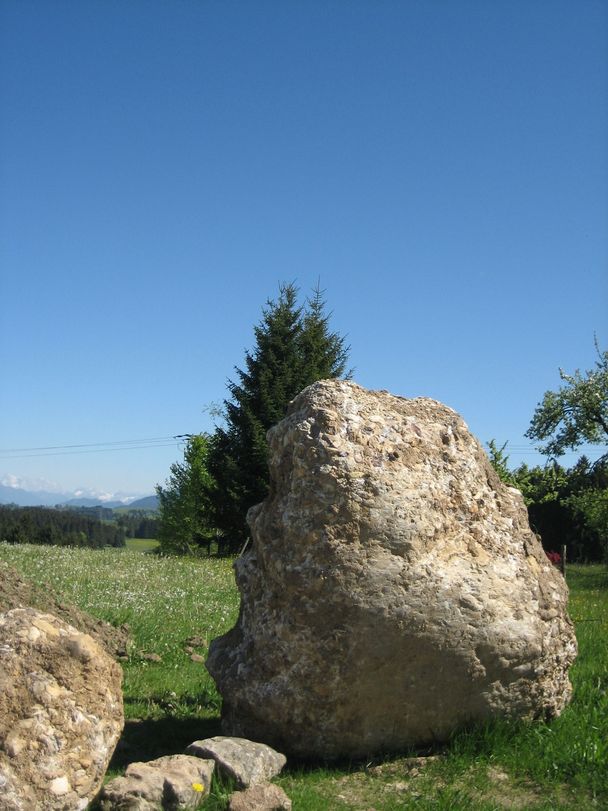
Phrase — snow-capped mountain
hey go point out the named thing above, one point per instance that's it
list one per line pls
(27, 494)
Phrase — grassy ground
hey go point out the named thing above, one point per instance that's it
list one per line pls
(142, 544)
(174, 606)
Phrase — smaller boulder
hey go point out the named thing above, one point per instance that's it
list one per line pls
(61, 713)
(173, 783)
(245, 762)
(261, 797)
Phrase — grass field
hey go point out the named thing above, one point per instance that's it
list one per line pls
(142, 544)
(175, 606)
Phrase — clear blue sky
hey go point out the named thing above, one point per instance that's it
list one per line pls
(442, 167)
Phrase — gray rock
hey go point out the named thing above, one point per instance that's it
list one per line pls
(261, 797)
(244, 761)
(394, 589)
(171, 783)
(61, 713)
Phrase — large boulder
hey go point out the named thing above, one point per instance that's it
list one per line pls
(61, 713)
(394, 589)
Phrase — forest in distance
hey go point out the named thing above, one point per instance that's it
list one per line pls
(93, 527)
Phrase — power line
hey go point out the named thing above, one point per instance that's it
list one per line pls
(96, 450)
(91, 444)
(92, 447)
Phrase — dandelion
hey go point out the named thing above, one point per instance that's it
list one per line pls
(198, 786)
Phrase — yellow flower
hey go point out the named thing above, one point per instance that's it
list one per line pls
(198, 787)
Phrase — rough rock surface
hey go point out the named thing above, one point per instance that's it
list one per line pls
(394, 589)
(172, 783)
(261, 797)
(17, 592)
(60, 713)
(244, 761)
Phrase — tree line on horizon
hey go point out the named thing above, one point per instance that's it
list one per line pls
(50, 526)
(204, 503)
(93, 527)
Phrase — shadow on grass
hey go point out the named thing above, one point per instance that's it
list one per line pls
(298, 766)
(149, 739)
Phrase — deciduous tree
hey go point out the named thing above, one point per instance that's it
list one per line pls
(576, 413)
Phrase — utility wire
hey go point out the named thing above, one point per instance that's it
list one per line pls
(96, 450)
(89, 444)
(92, 447)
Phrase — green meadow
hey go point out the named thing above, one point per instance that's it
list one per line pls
(174, 606)
(142, 544)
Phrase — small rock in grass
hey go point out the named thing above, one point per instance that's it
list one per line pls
(197, 642)
(171, 783)
(151, 657)
(261, 797)
(244, 761)
(413, 765)
(196, 657)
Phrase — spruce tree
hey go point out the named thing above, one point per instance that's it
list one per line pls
(293, 348)
(323, 354)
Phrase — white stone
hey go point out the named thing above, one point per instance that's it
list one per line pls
(59, 786)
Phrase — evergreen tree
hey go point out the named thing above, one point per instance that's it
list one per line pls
(293, 348)
(324, 354)
(183, 503)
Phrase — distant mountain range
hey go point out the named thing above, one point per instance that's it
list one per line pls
(146, 503)
(29, 498)
(44, 498)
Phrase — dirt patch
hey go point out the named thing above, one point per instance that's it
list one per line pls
(496, 787)
(17, 592)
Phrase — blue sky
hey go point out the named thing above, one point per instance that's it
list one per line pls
(440, 166)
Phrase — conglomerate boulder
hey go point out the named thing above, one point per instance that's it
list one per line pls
(61, 713)
(394, 589)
